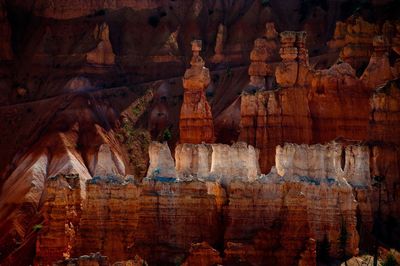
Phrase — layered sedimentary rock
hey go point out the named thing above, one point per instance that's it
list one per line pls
(294, 68)
(62, 211)
(378, 71)
(272, 117)
(296, 206)
(307, 103)
(258, 68)
(110, 217)
(272, 37)
(384, 133)
(219, 160)
(161, 161)
(103, 53)
(323, 161)
(358, 38)
(280, 217)
(202, 254)
(204, 161)
(195, 122)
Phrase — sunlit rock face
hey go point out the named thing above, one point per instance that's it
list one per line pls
(325, 161)
(87, 85)
(204, 161)
(161, 161)
(195, 122)
(279, 217)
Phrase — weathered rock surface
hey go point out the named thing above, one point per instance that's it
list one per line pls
(358, 38)
(204, 160)
(378, 71)
(294, 69)
(202, 254)
(195, 123)
(103, 53)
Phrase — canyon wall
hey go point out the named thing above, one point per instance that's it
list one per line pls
(279, 217)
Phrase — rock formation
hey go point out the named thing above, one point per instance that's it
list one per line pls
(195, 123)
(357, 47)
(338, 41)
(62, 211)
(202, 254)
(274, 217)
(272, 43)
(161, 162)
(219, 44)
(378, 71)
(103, 53)
(258, 68)
(204, 161)
(294, 68)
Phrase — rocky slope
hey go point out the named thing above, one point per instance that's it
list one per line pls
(86, 87)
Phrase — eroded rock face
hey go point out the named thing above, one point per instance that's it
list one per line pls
(202, 254)
(274, 217)
(378, 71)
(294, 68)
(325, 161)
(258, 67)
(103, 53)
(161, 161)
(62, 211)
(219, 44)
(195, 123)
(356, 36)
(204, 161)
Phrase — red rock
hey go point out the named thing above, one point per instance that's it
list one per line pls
(195, 123)
(202, 254)
(378, 71)
(103, 53)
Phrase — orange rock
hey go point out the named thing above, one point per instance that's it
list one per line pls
(202, 254)
(219, 44)
(309, 255)
(103, 54)
(378, 71)
(358, 41)
(294, 68)
(195, 123)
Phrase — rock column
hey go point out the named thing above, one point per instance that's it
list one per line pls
(258, 68)
(196, 124)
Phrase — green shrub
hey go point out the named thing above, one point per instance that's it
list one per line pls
(37, 227)
(167, 135)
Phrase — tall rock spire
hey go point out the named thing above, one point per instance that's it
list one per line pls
(196, 124)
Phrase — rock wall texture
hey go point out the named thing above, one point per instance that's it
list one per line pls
(78, 115)
(280, 217)
(195, 121)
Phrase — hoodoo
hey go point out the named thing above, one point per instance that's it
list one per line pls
(119, 147)
(195, 122)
